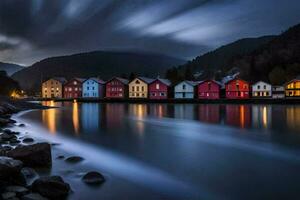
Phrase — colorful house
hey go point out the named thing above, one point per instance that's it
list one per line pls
(292, 88)
(73, 88)
(278, 92)
(185, 90)
(138, 88)
(237, 89)
(116, 88)
(93, 88)
(53, 88)
(159, 88)
(261, 90)
(209, 89)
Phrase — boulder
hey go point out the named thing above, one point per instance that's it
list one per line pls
(33, 196)
(36, 155)
(52, 187)
(93, 178)
(10, 172)
(74, 159)
(19, 190)
(7, 137)
(28, 172)
(21, 125)
(28, 140)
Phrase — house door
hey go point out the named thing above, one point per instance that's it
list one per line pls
(183, 95)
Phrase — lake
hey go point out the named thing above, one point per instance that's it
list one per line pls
(184, 151)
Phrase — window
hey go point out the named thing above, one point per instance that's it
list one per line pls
(162, 94)
(265, 87)
(137, 88)
(75, 83)
(70, 89)
(157, 86)
(183, 87)
(88, 88)
(258, 87)
(76, 89)
(153, 94)
(142, 88)
(132, 88)
(137, 82)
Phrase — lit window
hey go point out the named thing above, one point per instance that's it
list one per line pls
(157, 86)
(75, 83)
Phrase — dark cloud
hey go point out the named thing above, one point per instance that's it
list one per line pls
(34, 29)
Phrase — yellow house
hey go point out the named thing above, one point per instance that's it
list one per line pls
(292, 88)
(138, 88)
(53, 88)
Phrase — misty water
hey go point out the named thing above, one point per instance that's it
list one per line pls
(184, 151)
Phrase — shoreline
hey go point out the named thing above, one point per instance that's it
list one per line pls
(177, 101)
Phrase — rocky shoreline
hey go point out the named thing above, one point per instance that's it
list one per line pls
(21, 158)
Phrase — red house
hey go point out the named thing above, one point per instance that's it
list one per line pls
(237, 89)
(209, 89)
(73, 88)
(159, 88)
(116, 88)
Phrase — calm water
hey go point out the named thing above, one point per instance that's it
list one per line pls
(186, 150)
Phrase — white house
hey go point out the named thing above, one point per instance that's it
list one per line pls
(261, 89)
(93, 88)
(185, 90)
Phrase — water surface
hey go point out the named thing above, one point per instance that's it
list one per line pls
(185, 150)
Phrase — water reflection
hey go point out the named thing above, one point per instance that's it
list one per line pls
(92, 117)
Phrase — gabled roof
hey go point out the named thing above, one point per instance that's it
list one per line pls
(144, 79)
(192, 83)
(123, 80)
(261, 82)
(217, 82)
(164, 81)
(97, 80)
(77, 79)
(235, 80)
(293, 80)
(60, 79)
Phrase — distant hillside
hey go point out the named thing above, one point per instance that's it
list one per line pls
(218, 59)
(10, 68)
(101, 63)
(278, 61)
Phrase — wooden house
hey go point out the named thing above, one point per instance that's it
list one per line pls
(209, 89)
(138, 87)
(261, 90)
(93, 88)
(237, 89)
(159, 89)
(116, 88)
(53, 88)
(73, 88)
(292, 88)
(185, 90)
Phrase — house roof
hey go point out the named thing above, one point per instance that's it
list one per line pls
(192, 83)
(60, 79)
(144, 79)
(235, 80)
(293, 80)
(77, 79)
(217, 82)
(261, 82)
(164, 81)
(97, 80)
(123, 80)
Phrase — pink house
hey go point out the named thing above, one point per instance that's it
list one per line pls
(159, 88)
(209, 89)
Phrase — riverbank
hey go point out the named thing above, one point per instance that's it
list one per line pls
(177, 101)
(23, 160)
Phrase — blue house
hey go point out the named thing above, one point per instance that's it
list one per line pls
(185, 90)
(93, 88)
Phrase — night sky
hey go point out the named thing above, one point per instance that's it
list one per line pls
(31, 30)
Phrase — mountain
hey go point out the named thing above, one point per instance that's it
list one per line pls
(277, 61)
(213, 61)
(10, 68)
(99, 63)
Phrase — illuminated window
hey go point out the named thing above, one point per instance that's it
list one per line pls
(157, 86)
(75, 83)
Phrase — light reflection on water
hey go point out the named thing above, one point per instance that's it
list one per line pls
(202, 145)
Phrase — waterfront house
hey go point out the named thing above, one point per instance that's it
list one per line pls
(93, 88)
(138, 87)
(73, 88)
(185, 90)
(159, 88)
(237, 89)
(53, 88)
(209, 89)
(292, 88)
(116, 88)
(261, 90)
(278, 92)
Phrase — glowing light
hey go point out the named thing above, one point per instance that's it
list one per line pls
(242, 116)
(265, 117)
(49, 117)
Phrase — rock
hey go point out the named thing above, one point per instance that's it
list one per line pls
(10, 172)
(28, 172)
(21, 125)
(36, 155)
(52, 187)
(7, 137)
(4, 122)
(19, 190)
(14, 141)
(28, 140)
(74, 159)
(33, 196)
(93, 178)
(8, 195)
